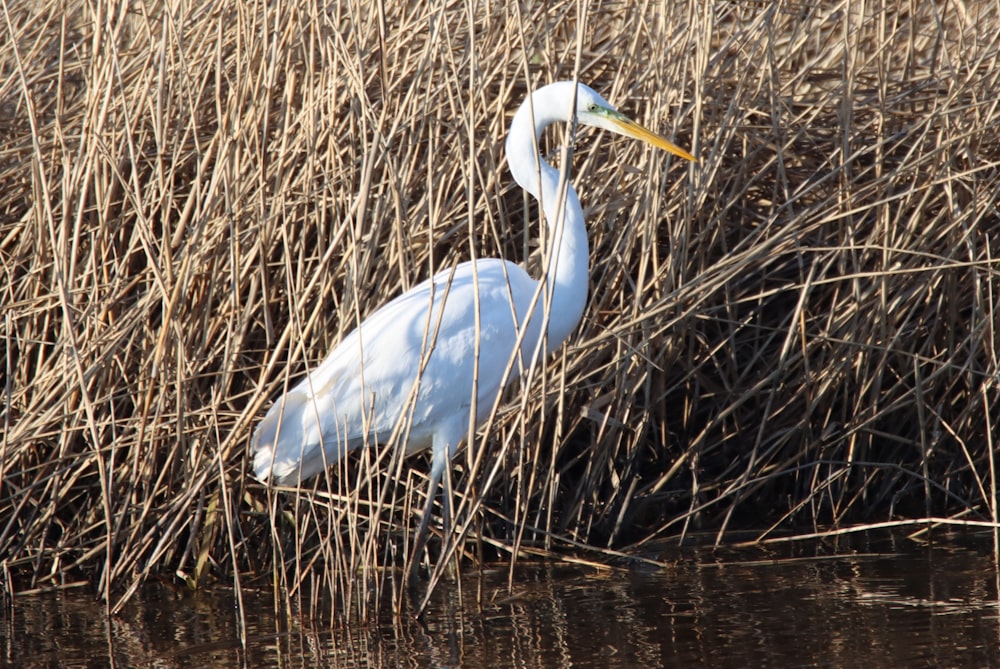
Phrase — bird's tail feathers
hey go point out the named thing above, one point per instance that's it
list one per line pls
(278, 442)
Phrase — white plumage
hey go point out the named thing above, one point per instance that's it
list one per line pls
(369, 381)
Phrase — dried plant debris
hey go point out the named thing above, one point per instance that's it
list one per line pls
(199, 200)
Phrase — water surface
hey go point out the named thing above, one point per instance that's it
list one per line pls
(925, 606)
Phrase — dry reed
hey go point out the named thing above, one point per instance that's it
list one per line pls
(200, 199)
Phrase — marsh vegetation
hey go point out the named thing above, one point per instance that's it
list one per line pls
(198, 200)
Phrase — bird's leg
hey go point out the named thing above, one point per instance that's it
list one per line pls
(445, 506)
(420, 540)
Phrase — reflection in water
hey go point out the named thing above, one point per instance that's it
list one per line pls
(872, 610)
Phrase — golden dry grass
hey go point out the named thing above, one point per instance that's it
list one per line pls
(198, 200)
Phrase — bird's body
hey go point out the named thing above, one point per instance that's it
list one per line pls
(412, 365)
(364, 386)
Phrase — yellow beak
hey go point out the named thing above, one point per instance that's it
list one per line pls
(622, 124)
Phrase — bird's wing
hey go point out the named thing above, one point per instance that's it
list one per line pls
(370, 380)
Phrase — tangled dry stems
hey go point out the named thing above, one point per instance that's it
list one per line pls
(198, 201)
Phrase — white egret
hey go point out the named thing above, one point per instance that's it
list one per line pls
(372, 380)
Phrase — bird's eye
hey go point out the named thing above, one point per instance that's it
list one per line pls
(592, 107)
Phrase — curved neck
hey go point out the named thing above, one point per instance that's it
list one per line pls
(568, 251)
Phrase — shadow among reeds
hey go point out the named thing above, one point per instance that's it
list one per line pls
(199, 200)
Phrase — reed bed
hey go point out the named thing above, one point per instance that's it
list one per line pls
(198, 200)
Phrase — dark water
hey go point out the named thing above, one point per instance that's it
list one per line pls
(922, 607)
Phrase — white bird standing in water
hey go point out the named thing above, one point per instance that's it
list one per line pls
(372, 380)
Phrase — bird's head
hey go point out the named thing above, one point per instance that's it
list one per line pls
(592, 109)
